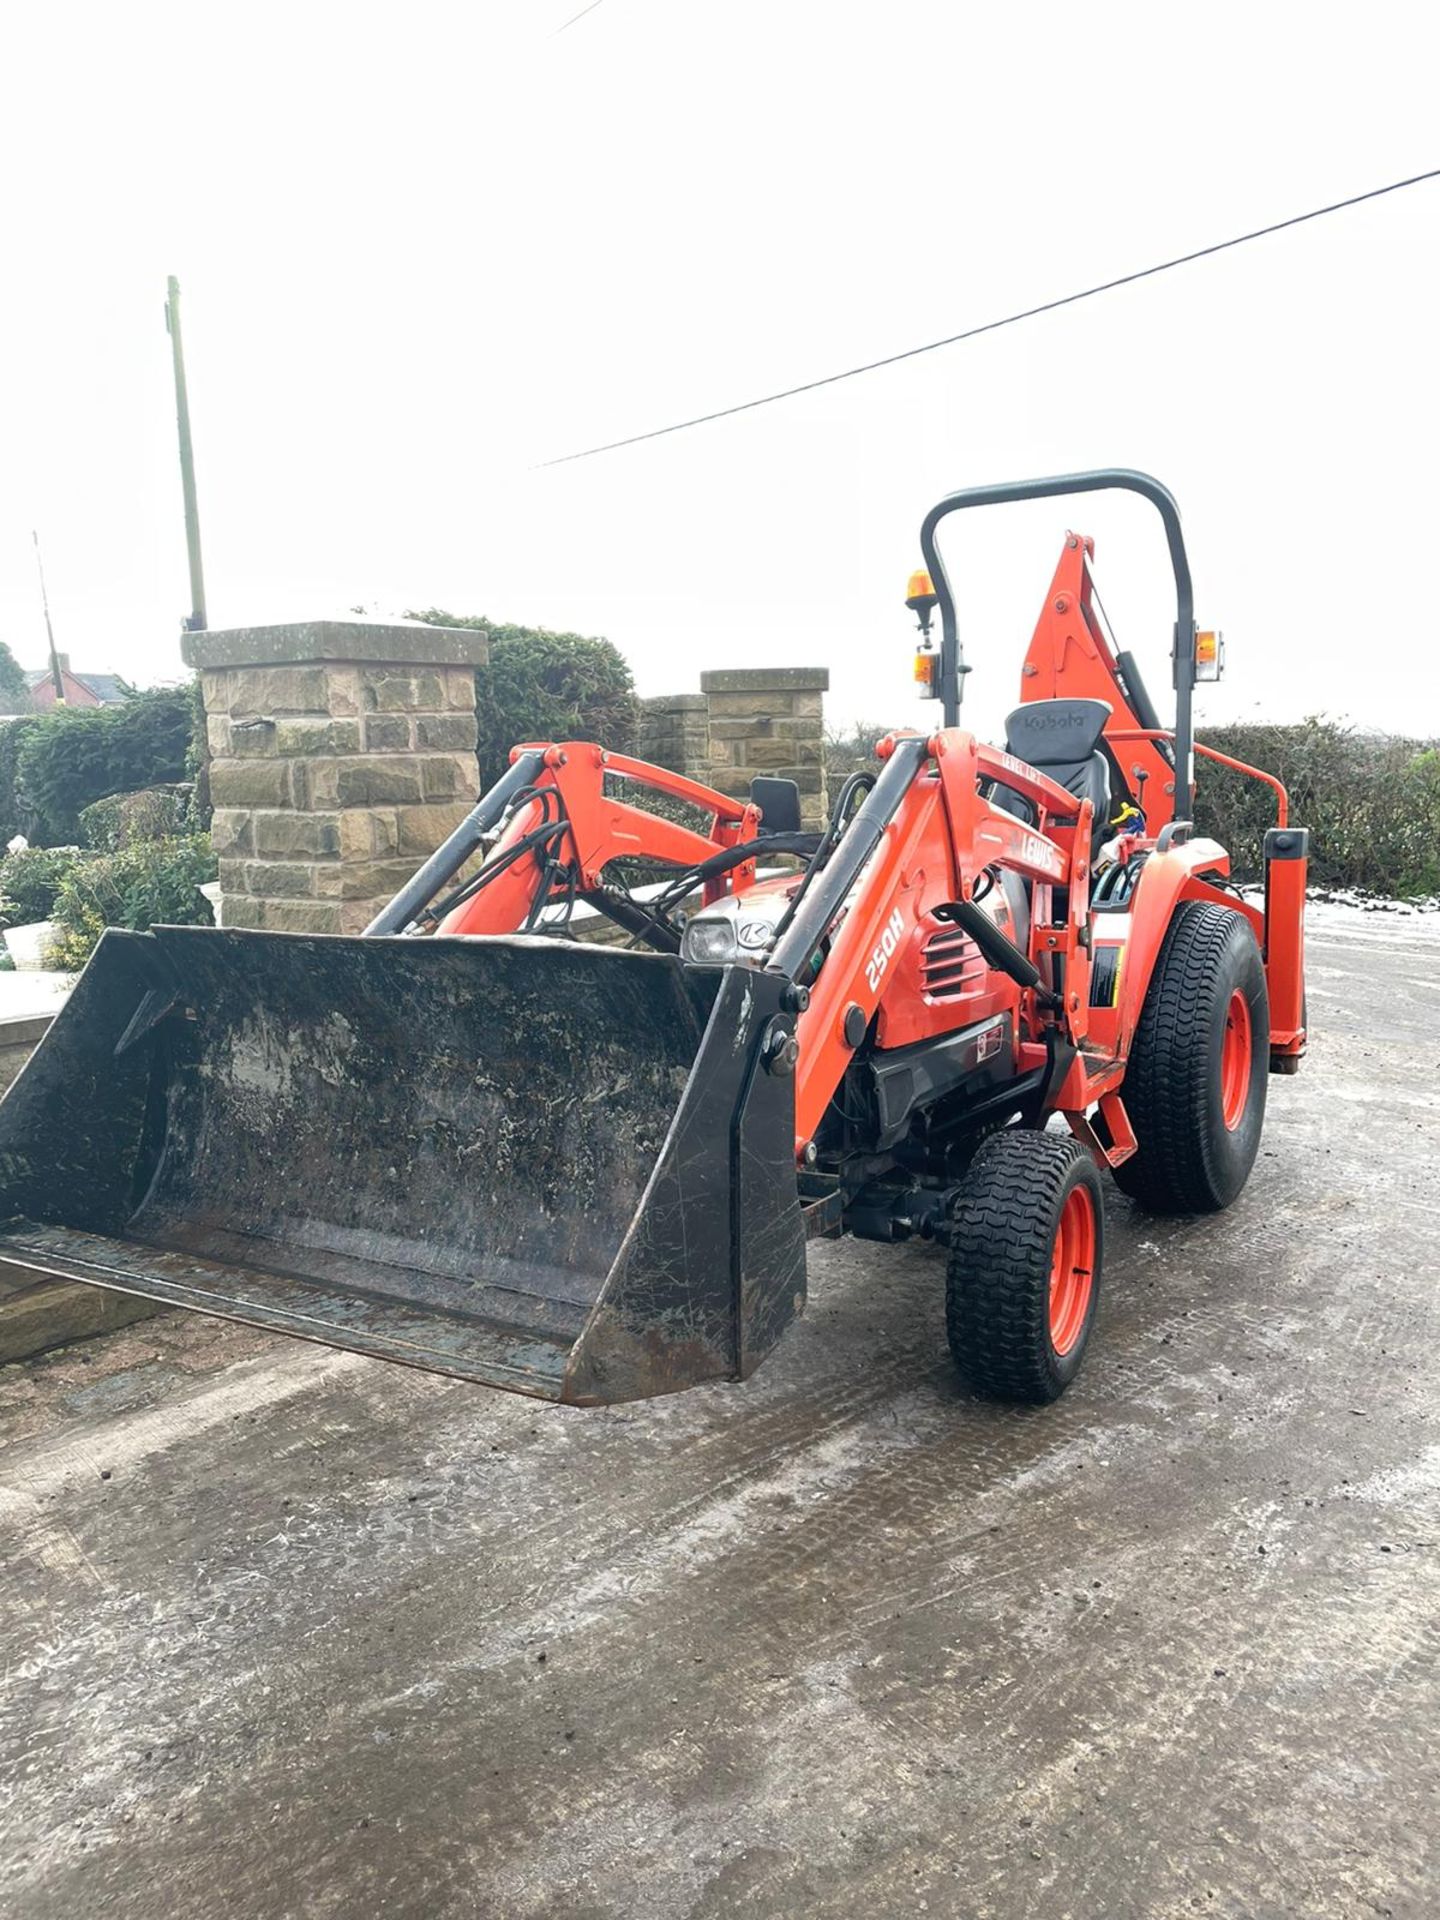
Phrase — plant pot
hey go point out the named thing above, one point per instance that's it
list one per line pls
(26, 945)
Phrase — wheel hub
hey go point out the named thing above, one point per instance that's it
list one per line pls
(1072, 1269)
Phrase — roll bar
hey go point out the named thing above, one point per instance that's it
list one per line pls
(1125, 479)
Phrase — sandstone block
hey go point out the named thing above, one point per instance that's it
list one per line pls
(275, 691)
(231, 831)
(249, 783)
(302, 916)
(293, 836)
(253, 738)
(342, 691)
(367, 831)
(387, 779)
(451, 775)
(446, 730)
(313, 736)
(279, 879)
(392, 690)
(239, 910)
(355, 915)
(373, 879)
(388, 733)
(423, 829)
(460, 688)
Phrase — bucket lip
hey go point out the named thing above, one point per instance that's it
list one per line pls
(165, 936)
(511, 1362)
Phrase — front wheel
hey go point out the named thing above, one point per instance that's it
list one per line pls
(1027, 1242)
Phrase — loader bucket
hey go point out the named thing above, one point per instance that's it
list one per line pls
(555, 1168)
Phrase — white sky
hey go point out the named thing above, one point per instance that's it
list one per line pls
(425, 247)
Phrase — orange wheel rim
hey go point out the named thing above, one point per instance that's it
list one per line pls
(1072, 1269)
(1235, 1061)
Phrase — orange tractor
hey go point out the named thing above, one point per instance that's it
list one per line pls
(473, 1142)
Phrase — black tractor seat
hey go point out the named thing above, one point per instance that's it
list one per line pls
(1062, 738)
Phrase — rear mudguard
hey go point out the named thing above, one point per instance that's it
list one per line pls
(1140, 929)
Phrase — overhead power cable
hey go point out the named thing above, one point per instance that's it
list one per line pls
(994, 326)
(574, 17)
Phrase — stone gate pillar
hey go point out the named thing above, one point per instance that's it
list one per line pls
(769, 720)
(343, 753)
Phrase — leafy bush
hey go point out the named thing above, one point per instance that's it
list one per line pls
(82, 754)
(541, 685)
(15, 815)
(30, 882)
(142, 885)
(1371, 802)
(14, 687)
(155, 813)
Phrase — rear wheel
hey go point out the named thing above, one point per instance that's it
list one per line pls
(1027, 1241)
(1195, 1084)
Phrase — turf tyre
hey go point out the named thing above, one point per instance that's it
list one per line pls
(1197, 1117)
(1014, 1332)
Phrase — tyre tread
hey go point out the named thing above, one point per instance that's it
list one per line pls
(1001, 1245)
(1168, 1091)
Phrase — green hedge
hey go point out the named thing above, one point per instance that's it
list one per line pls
(540, 685)
(15, 816)
(1371, 802)
(69, 759)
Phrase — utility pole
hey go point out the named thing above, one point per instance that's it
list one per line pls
(57, 678)
(195, 620)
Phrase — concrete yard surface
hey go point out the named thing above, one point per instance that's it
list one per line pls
(294, 1633)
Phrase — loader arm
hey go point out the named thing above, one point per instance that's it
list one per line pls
(919, 844)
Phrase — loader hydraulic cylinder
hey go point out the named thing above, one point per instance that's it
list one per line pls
(447, 860)
(817, 909)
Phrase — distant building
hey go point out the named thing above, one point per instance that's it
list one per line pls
(81, 689)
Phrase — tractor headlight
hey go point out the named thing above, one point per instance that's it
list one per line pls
(741, 928)
(709, 941)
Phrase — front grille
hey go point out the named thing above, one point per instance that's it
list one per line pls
(951, 964)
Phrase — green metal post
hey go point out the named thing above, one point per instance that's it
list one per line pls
(57, 678)
(196, 620)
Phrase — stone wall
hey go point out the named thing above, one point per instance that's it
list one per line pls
(674, 732)
(342, 754)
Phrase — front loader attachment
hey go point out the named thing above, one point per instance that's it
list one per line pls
(555, 1168)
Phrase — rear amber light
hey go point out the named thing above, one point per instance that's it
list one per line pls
(1209, 656)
